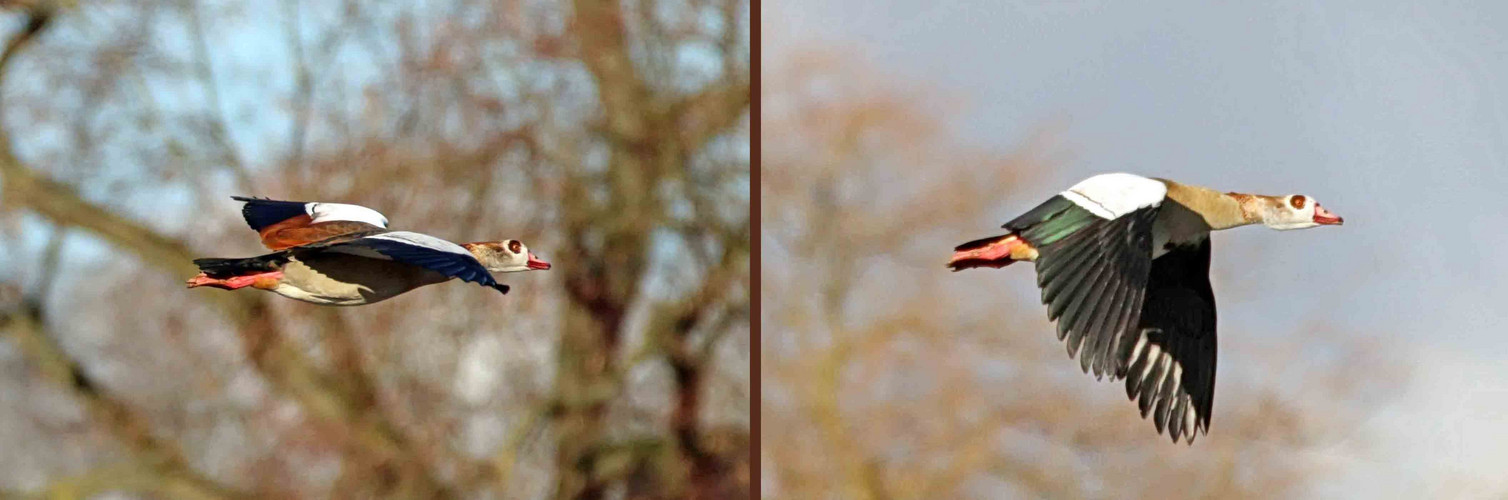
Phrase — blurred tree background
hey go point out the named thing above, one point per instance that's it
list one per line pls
(612, 137)
(884, 376)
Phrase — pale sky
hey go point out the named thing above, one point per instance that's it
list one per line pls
(1390, 114)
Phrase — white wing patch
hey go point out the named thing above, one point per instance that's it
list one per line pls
(423, 240)
(325, 212)
(404, 237)
(1112, 195)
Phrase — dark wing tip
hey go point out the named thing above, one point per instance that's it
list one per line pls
(455, 265)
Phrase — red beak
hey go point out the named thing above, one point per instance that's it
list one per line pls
(1324, 217)
(535, 263)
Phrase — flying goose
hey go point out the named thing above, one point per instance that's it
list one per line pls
(344, 255)
(1123, 264)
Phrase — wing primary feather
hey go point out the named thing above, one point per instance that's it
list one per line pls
(1094, 322)
(1138, 271)
(1089, 263)
(1128, 324)
(1105, 320)
(1193, 421)
(412, 249)
(1069, 307)
(1133, 275)
(1140, 370)
(1065, 277)
(1126, 352)
(1063, 291)
(1178, 417)
(1106, 279)
(1167, 392)
(1149, 392)
(1065, 257)
(1082, 325)
(1082, 304)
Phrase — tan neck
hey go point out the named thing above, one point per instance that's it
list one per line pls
(1220, 210)
(489, 253)
(483, 252)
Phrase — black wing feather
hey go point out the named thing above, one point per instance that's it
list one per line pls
(1135, 265)
(1108, 296)
(1178, 317)
(455, 265)
(262, 212)
(1111, 284)
(1081, 274)
(1105, 319)
(1074, 298)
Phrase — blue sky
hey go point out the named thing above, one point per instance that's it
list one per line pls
(1391, 114)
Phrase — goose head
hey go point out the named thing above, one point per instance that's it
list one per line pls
(1296, 211)
(507, 256)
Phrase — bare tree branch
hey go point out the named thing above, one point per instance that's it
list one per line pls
(219, 130)
(645, 152)
(605, 279)
(712, 111)
(303, 86)
(26, 325)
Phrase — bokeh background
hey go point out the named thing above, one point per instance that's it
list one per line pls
(1362, 361)
(612, 137)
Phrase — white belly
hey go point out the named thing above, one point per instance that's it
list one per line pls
(1176, 225)
(350, 297)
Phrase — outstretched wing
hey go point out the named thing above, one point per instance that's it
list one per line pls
(1169, 366)
(288, 224)
(421, 250)
(1094, 244)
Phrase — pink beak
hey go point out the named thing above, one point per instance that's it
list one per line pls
(1324, 217)
(535, 263)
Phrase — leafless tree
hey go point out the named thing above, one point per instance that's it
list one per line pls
(611, 136)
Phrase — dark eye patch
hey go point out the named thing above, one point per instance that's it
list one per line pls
(1297, 201)
(514, 246)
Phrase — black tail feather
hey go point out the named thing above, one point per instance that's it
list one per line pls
(979, 243)
(222, 268)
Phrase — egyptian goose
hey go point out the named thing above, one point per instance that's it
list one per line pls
(344, 255)
(1123, 264)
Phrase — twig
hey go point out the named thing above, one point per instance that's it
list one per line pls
(218, 128)
(303, 88)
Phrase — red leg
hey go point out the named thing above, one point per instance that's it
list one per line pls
(997, 254)
(259, 280)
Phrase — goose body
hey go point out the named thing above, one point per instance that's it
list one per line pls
(1123, 265)
(345, 280)
(343, 255)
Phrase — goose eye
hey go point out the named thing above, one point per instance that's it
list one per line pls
(1297, 201)
(514, 246)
